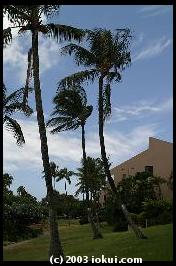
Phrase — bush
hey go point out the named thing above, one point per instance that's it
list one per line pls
(158, 211)
(17, 218)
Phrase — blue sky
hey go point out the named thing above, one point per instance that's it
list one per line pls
(141, 103)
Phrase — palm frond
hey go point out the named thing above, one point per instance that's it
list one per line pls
(17, 14)
(49, 10)
(62, 124)
(113, 76)
(82, 56)
(70, 109)
(64, 32)
(13, 126)
(7, 36)
(14, 103)
(78, 78)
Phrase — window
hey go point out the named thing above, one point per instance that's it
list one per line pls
(124, 175)
(149, 169)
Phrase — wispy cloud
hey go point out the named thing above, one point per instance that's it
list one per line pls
(154, 10)
(138, 40)
(153, 49)
(140, 109)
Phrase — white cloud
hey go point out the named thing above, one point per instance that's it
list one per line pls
(60, 147)
(15, 54)
(154, 10)
(152, 49)
(140, 109)
(66, 148)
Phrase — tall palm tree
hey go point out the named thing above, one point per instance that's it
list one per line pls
(11, 104)
(29, 18)
(70, 112)
(106, 57)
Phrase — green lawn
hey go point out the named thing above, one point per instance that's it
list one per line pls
(77, 240)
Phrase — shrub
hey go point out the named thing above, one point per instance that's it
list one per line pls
(158, 211)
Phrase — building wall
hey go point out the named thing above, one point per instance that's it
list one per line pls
(159, 155)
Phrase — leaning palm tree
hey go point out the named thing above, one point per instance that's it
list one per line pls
(107, 55)
(11, 104)
(70, 112)
(29, 18)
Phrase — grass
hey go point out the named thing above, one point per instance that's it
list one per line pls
(77, 241)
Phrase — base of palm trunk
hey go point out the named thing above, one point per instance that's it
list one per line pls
(55, 245)
(139, 234)
(96, 232)
(98, 236)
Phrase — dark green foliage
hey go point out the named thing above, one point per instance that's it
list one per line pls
(158, 211)
(95, 177)
(19, 212)
(134, 190)
(67, 205)
(114, 215)
(154, 212)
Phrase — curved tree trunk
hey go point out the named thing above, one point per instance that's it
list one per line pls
(55, 244)
(95, 230)
(127, 215)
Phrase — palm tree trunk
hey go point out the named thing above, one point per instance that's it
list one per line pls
(127, 215)
(95, 230)
(84, 158)
(55, 244)
(54, 183)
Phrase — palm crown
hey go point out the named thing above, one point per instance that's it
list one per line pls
(107, 55)
(71, 109)
(29, 17)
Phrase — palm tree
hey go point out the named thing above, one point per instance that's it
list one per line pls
(70, 112)
(106, 58)
(11, 104)
(64, 174)
(59, 174)
(95, 180)
(54, 172)
(21, 191)
(29, 18)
